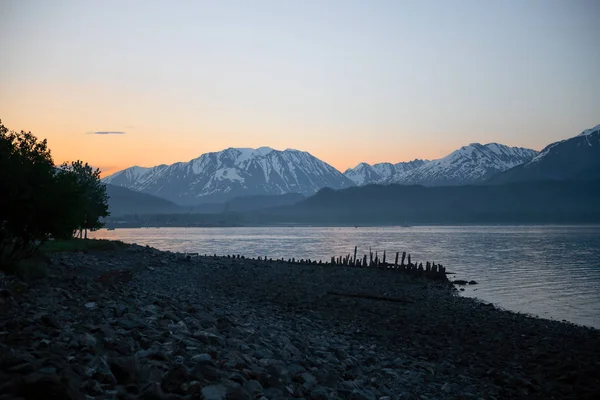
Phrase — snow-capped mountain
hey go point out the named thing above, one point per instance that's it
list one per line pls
(574, 158)
(364, 174)
(220, 176)
(469, 164)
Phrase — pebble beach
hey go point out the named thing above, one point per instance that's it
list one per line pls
(139, 323)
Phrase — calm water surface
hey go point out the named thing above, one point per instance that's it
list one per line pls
(549, 271)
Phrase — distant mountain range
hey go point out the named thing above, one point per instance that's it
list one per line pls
(211, 180)
(470, 164)
(223, 175)
(575, 158)
(364, 174)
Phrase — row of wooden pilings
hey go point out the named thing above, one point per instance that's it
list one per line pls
(430, 270)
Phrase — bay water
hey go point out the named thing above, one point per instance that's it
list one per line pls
(549, 271)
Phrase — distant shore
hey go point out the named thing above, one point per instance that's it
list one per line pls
(132, 225)
(113, 322)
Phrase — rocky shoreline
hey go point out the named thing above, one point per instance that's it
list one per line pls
(138, 323)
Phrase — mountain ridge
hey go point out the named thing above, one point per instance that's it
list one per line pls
(573, 158)
(470, 164)
(233, 172)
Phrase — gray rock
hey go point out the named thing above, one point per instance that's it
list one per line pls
(128, 324)
(87, 340)
(253, 387)
(152, 392)
(362, 395)
(99, 370)
(207, 372)
(319, 393)
(214, 392)
(203, 358)
(307, 380)
(207, 337)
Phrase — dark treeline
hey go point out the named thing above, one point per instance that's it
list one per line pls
(40, 200)
(528, 202)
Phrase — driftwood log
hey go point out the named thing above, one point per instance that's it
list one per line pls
(370, 297)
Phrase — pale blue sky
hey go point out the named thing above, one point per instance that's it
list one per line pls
(348, 81)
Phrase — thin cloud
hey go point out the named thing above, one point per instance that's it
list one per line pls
(106, 133)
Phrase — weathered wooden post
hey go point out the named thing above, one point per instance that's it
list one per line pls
(396, 262)
(403, 257)
(355, 250)
(364, 263)
(383, 261)
(409, 263)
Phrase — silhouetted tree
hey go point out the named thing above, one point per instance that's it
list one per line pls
(34, 201)
(95, 204)
(39, 200)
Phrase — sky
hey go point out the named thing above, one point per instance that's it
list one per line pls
(348, 81)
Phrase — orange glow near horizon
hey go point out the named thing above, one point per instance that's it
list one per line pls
(112, 153)
(65, 114)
